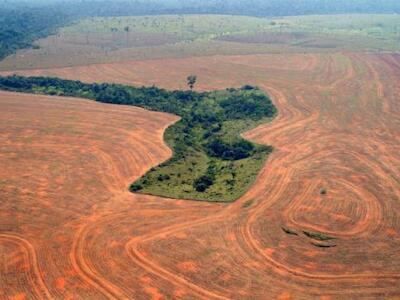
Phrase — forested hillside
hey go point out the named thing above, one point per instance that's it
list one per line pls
(20, 26)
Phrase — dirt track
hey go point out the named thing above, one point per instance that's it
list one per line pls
(70, 229)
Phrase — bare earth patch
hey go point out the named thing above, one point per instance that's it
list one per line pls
(66, 164)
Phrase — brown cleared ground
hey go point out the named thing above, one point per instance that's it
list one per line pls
(69, 228)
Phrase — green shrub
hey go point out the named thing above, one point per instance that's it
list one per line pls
(135, 187)
(203, 183)
(248, 203)
(318, 236)
(162, 177)
(226, 151)
(289, 231)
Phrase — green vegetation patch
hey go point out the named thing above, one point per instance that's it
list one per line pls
(318, 32)
(248, 203)
(374, 31)
(323, 245)
(289, 231)
(182, 27)
(323, 191)
(318, 236)
(211, 161)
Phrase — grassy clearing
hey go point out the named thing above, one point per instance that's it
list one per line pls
(111, 39)
(183, 27)
(293, 30)
(329, 32)
(176, 178)
(378, 26)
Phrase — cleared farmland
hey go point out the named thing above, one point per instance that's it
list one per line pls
(69, 227)
(102, 40)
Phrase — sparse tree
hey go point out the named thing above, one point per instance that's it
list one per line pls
(191, 81)
(127, 29)
(113, 31)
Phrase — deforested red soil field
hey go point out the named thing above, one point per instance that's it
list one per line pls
(320, 222)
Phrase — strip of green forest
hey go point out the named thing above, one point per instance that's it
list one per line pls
(211, 161)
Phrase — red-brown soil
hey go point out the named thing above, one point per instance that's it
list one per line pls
(69, 228)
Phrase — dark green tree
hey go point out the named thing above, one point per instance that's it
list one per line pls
(127, 30)
(191, 81)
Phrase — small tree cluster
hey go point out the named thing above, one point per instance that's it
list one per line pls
(229, 151)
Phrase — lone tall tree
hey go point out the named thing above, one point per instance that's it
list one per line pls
(127, 29)
(191, 81)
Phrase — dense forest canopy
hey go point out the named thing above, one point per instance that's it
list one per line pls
(19, 27)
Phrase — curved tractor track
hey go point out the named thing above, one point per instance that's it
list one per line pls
(71, 230)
